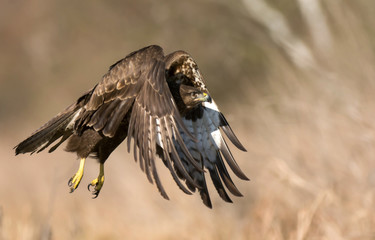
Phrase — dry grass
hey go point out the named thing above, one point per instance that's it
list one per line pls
(311, 159)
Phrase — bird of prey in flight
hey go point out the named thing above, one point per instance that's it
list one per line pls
(161, 105)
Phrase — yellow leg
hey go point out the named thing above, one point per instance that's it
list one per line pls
(97, 183)
(76, 179)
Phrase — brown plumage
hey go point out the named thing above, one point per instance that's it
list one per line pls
(162, 103)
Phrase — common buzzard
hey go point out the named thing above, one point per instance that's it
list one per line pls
(162, 103)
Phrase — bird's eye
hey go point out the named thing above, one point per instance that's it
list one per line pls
(194, 94)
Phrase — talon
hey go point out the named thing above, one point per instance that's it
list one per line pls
(97, 183)
(94, 191)
(74, 181)
(88, 187)
(70, 182)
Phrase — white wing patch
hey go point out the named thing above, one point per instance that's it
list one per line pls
(72, 122)
(216, 136)
(158, 137)
(211, 105)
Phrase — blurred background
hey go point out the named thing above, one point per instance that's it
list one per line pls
(295, 78)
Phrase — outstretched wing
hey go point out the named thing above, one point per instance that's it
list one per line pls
(204, 123)
(59, 127)
(137, 84)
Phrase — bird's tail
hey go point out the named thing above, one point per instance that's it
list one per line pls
(59, 126)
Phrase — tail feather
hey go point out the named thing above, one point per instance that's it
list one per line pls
(57, 127)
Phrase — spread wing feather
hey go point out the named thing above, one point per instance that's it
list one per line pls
(210, 150)
(224, 125)
(57, 127)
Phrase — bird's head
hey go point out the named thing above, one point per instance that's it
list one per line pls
(182, 69)
(192, 96)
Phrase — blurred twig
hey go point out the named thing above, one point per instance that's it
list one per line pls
(306, 216)
(285, 173)
(318, 26)
(279, 30)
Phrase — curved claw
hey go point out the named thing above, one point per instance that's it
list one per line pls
(70, 185)
(70, 182)
(93, 191)
(97, 186)
(88, 187)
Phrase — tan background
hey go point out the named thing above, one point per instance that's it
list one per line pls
(295, 79)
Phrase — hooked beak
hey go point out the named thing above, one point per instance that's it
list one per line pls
(206, 98)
